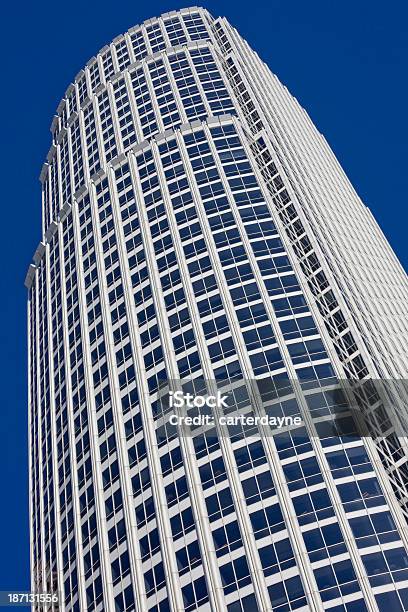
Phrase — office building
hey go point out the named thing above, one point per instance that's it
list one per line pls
(199, 234)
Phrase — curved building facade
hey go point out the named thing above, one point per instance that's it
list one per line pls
(198, 235)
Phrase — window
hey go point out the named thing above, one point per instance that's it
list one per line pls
(125, 601)
(194, 594)
(177, 491)
(149, 544)
(188, 557)
(258, 487)
(120, 567)
(391, 601)
(154, 579)
(350, 461)
(212, 472)
(227, 538)
(235, 575)
(301, 474)
(372, 529)
(324, 542)
(249, 457)
(220, 504)
(336, 580)
(277, 557)
(313, 506)
(182, 523)
(117, 534)
(384, 567)
(287, 592)
(267, 521)
(171, 461)
(360, 494)
(246, 604)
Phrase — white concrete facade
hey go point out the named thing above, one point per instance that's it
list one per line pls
(197, 229)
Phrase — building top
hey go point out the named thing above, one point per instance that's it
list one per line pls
(139, 40)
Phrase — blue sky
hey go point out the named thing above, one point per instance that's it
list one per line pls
(346, 63)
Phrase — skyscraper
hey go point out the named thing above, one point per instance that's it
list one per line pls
(199, 235)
